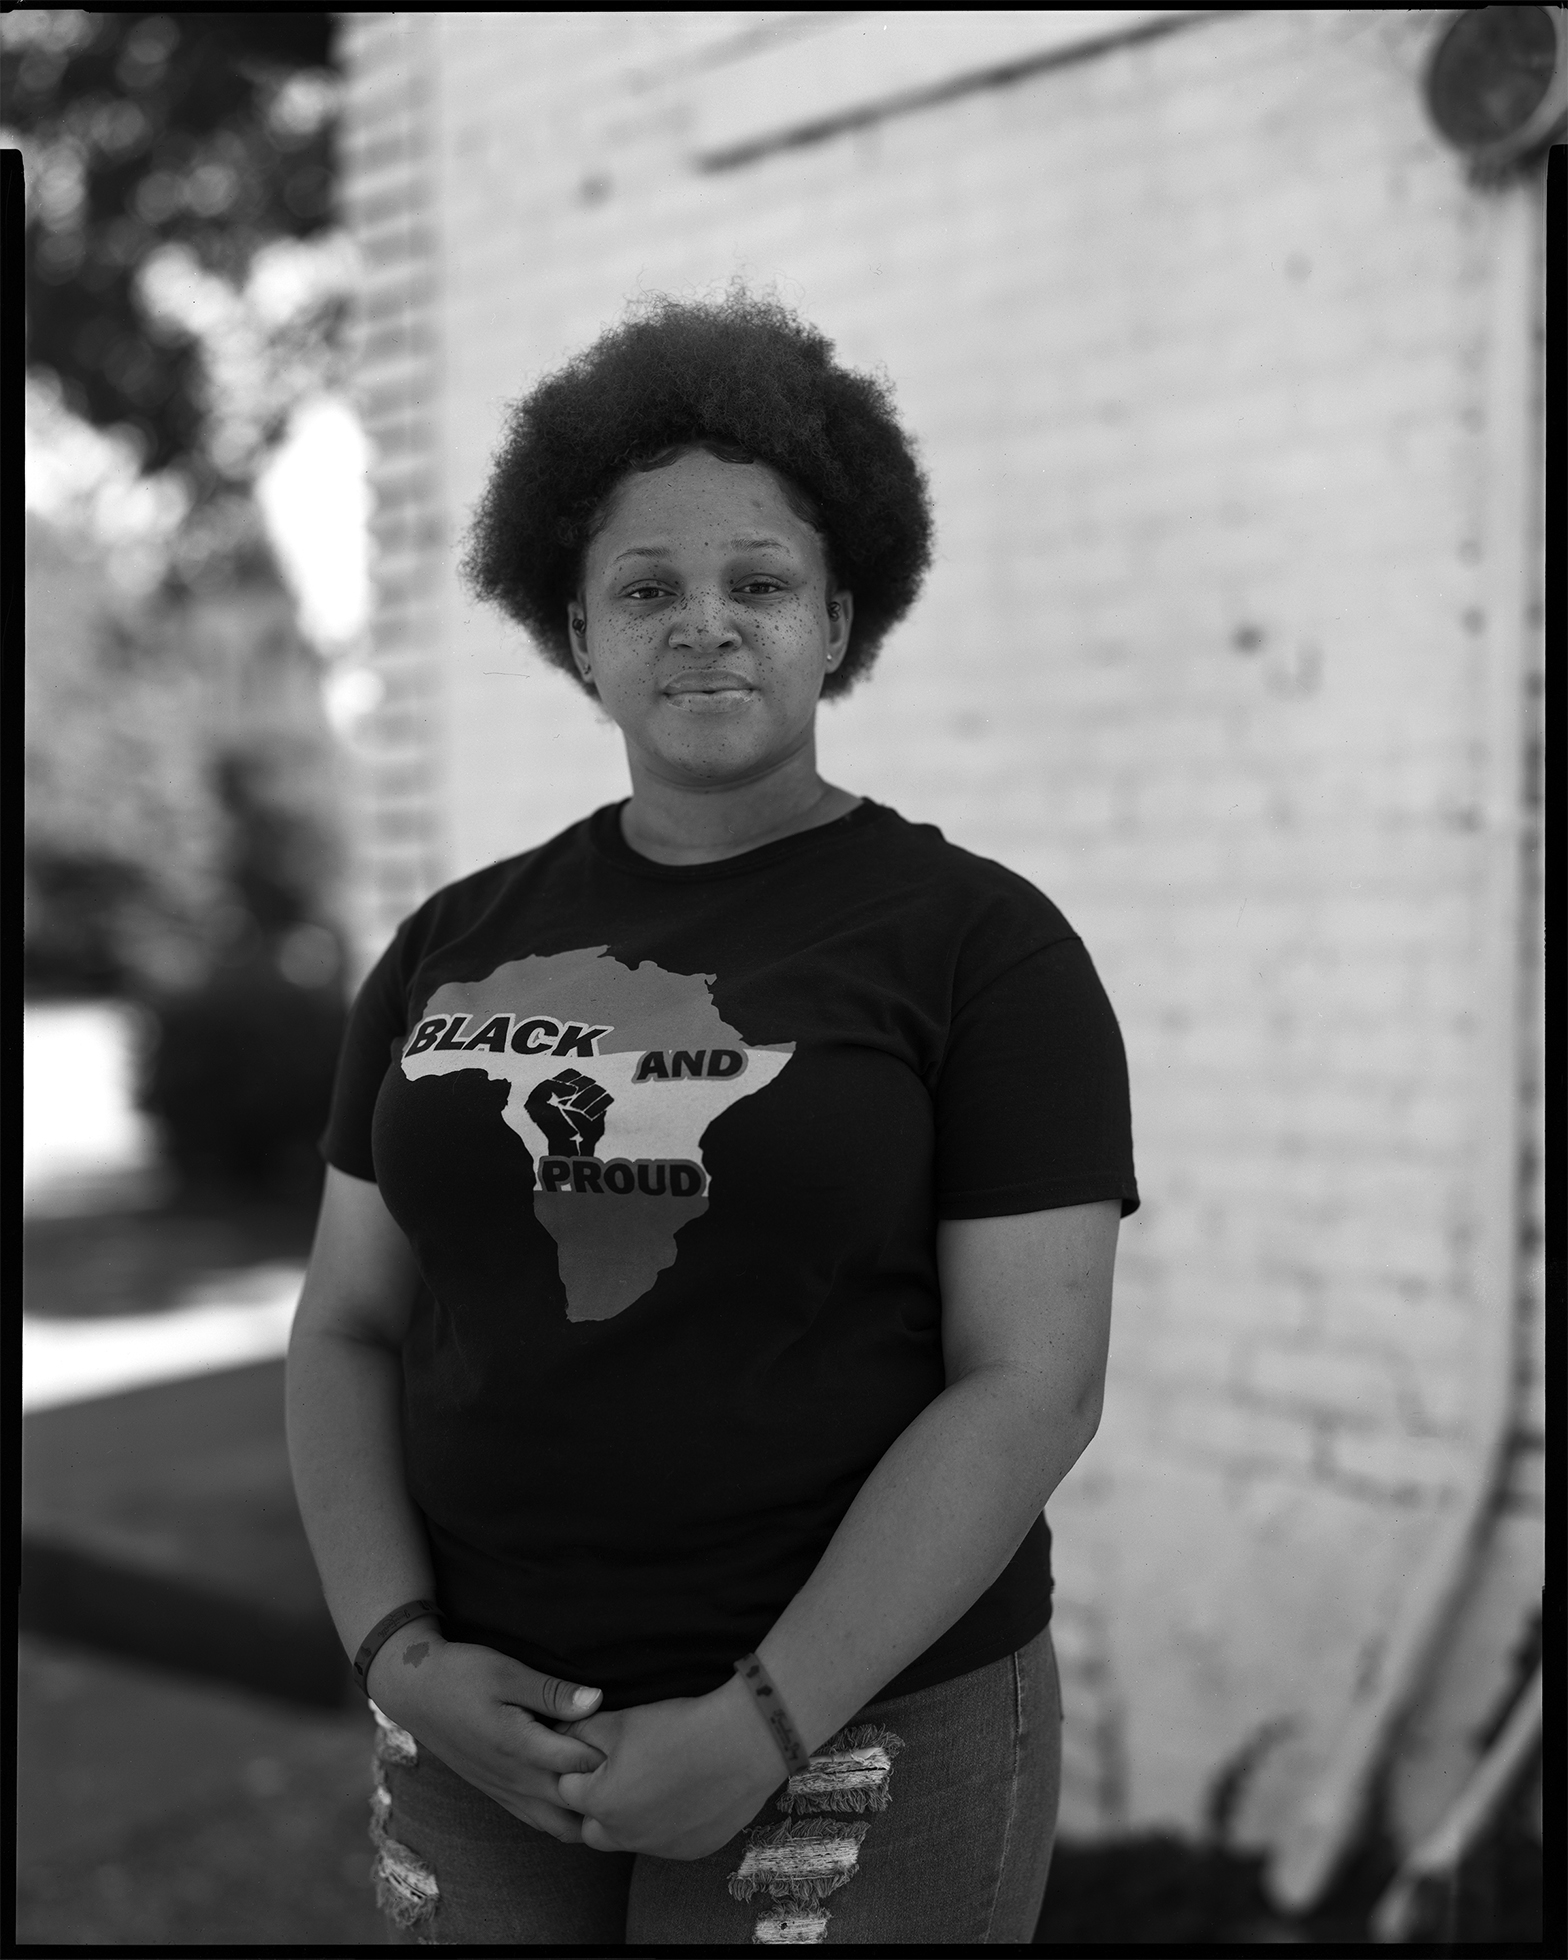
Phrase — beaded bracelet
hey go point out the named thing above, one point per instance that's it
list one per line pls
(382, 1632)
(774, 1713)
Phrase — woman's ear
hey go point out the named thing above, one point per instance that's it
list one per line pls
(841, 614)
(577, 635)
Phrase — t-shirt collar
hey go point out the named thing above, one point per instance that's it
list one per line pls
(606, 839)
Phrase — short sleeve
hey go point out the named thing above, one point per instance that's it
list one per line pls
(1032, 1104)
(377, 1025)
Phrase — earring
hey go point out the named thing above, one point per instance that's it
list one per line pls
(578, 625)
(833, 609)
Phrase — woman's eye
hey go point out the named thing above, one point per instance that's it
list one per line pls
(761, 586)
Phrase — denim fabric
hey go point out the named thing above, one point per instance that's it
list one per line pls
(928, 1820)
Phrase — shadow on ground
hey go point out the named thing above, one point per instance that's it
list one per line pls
(193, 1767)
(161, 1811)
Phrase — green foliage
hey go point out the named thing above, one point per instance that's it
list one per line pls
(210, 132)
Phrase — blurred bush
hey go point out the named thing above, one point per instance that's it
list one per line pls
(240, 1072)
(239, 1079)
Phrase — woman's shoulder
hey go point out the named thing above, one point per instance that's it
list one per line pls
(967, 886)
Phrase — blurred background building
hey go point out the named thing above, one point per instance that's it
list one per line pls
(1221, 336)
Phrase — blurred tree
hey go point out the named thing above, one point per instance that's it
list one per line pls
(207, 132)
(186, 282)
(124, 824)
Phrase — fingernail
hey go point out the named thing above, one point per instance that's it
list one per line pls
(585, 1697)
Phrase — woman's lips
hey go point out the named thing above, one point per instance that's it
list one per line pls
(718, 682)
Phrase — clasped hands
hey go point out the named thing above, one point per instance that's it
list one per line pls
(675, 1779)
(678, 1779)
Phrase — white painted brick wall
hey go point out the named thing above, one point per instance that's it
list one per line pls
(385, 159)
(1195, 337)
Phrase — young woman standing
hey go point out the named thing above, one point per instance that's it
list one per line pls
(714, 1273)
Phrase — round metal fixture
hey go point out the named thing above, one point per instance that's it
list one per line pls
(1497, 83)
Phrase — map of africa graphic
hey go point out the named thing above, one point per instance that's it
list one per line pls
(616, 1073)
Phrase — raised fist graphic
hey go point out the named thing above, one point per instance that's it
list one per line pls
(570, 1108)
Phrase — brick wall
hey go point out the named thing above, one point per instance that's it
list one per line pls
(1199, 337)
(389, 189)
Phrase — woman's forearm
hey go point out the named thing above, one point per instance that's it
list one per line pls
(930, 1529)
(932, 1526)
(345, 1448)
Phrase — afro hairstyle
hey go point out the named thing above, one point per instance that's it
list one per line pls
(745, 378)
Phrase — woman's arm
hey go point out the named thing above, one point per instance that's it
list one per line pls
(1026, 1318)
(1025, 1325)
(345, 1376)
(344, 1424)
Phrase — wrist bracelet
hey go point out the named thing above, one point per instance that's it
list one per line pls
(382, 1632)
(774, 1713)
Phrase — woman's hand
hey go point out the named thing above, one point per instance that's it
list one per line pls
(479, 1712)
(682, 1776)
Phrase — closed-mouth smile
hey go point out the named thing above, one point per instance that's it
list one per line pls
(719, 681)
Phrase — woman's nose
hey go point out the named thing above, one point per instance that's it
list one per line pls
(705, 621)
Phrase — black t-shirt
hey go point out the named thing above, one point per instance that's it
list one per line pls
(670, 1144)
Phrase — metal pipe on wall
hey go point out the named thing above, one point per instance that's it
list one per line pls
(1438, 1858)
(1312, 1846)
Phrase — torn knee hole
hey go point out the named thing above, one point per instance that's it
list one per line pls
(802, 1928)
(393, 1745)
(849, 1772)
(800, 1862)
(405, 1887)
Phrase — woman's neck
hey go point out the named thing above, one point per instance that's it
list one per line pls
(676, 824)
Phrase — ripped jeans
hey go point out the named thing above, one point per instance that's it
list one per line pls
(928, 1820)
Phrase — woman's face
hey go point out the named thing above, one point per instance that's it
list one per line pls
(704, 621)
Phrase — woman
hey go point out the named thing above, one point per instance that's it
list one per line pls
(713, 1278)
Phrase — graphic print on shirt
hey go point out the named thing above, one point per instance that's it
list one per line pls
(616, 1073)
